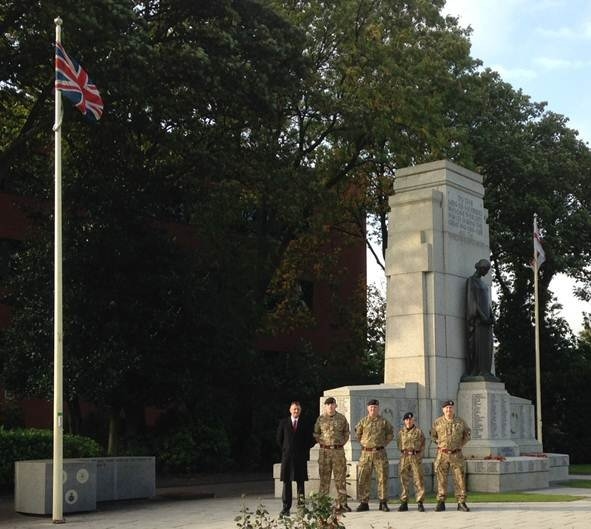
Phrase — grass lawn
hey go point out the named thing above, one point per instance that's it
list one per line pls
(479, 497)
(579, 469)
(507, 497)
(580, 483)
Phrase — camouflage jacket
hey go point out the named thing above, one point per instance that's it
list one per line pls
(331, 430)
(450, 434)
(412, 439)
(374, 431)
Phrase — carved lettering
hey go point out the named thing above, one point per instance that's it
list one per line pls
(464, 217)
(494, 418)
(477, 416)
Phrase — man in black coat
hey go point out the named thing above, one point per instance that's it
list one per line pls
(294, 436)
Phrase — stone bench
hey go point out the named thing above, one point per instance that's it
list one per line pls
(86, 482)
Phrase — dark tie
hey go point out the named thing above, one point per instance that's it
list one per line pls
(295, 425)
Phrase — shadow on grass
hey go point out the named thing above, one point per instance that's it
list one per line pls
(579, 469)
(576, 483)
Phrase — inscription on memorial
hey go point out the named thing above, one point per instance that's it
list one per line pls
(515, 424)
(477, 416)
(494, 416)
(464, 217)
(505, 433)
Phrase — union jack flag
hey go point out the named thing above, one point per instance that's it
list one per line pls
(74, 83)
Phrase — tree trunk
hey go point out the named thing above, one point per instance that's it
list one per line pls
(113, 445)
(74, 415)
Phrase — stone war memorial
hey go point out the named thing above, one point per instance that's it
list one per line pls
(436, 348)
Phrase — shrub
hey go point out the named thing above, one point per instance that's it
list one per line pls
(318, 512)
(23, 444)
(200, 448)
(177, 453)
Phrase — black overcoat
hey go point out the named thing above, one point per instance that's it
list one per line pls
(295, 449)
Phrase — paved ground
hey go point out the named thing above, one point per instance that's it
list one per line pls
(191, 506)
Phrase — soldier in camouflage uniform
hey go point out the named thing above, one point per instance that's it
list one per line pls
(331, 431)
(450, 433)
(374, 433)
(411, 443)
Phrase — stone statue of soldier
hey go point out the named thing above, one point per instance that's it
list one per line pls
(479, 324)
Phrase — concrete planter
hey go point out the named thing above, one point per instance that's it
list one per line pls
(86, 482)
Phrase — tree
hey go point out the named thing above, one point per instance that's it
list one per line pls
(376, 330)
(387, 92)
(532, 162)
(171, 147)
(269, 129)
(198, 138)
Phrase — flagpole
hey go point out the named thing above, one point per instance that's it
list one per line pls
(536, 268)
(58, 337)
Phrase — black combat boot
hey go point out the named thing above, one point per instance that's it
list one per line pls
(420, 506)
(363, 506)
(384, 506)
(463, 507)
(403, 507)
(440, 506)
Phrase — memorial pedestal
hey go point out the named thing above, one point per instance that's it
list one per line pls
(523, 426)
(514, 473)
(438, 232)
(502, 425)
(486, 407)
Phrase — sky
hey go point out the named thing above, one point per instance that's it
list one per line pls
(542, 47)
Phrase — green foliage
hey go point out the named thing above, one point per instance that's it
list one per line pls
(376, 332)
(319, 512)
(177, 452)
(199, 449)
(585, 335)
(387, 91)
(23, 444)
(566, 366)
(193, 139)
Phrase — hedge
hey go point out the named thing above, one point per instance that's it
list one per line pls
(23, 444)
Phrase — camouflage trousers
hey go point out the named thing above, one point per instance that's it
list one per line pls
(411, 464)
(369, 461)
(332, 460)
(443, 463)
